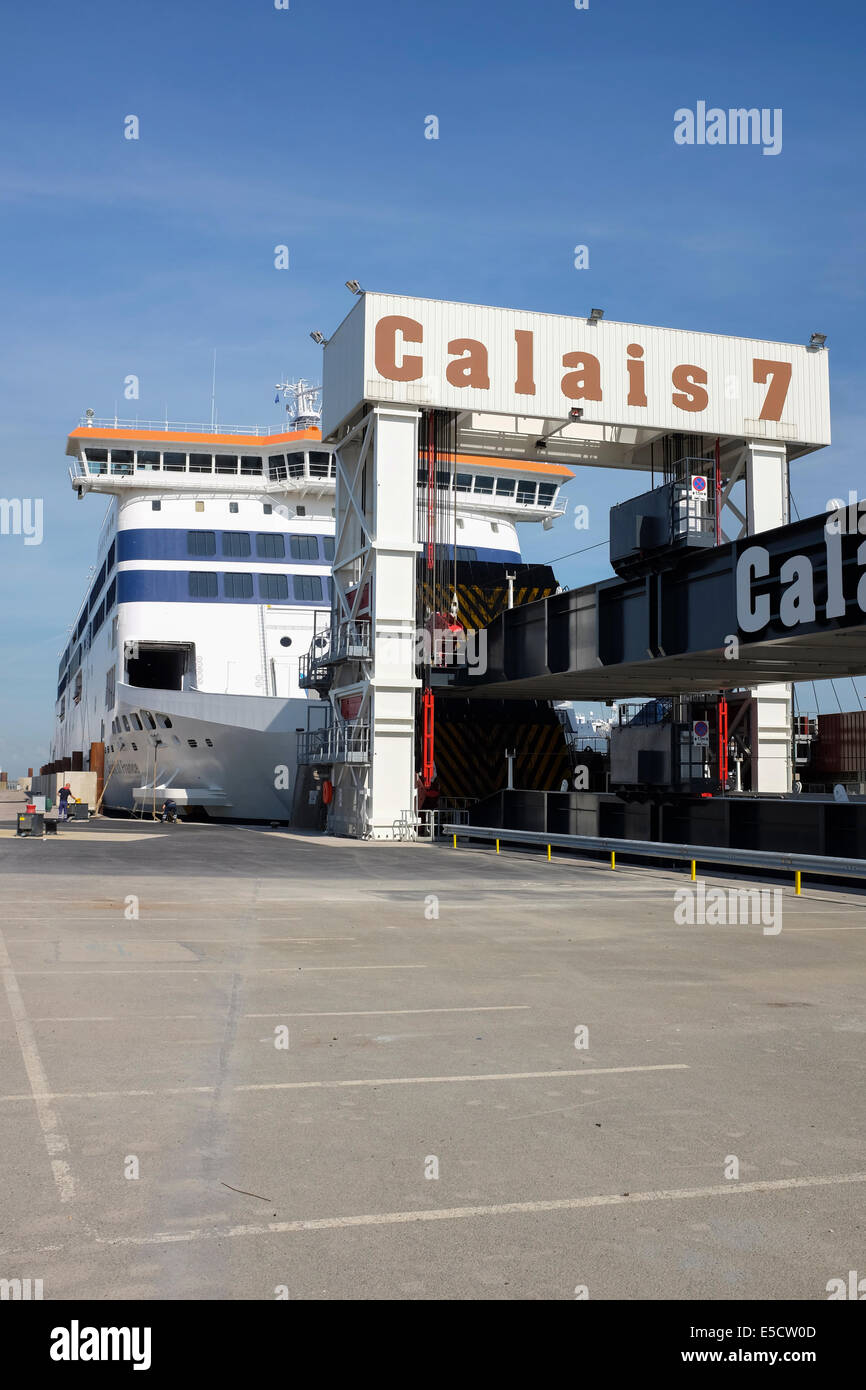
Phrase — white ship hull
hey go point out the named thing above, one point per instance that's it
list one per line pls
(233, 756)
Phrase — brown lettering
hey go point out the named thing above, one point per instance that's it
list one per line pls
(690, 381)
(585, 383)
(777, 392)
(524, 385)
(471, 368)
(636, 376)
(385, 348)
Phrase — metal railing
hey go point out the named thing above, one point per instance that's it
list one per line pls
(349, 641)
(185, 426)
(338, 743)
(775, 860)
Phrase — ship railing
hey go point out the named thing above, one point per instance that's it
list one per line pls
(184, 426)
(338, 743)
(349, 641)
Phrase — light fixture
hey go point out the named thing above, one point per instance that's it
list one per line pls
(319, 338)
(818, 340)
(354, 287)
(595, 315)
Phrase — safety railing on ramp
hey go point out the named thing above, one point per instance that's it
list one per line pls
(774, 860)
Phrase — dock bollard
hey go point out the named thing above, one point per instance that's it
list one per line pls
(798, 882)
(497, 846)
(694, 870)
(455, 841)
(613, 859)
(548, 853)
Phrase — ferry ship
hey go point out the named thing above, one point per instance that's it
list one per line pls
(212, 580)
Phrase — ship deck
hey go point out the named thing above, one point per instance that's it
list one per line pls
(412, 1038)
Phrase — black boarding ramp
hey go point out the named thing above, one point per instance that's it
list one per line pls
(792, 825)
(783, 605)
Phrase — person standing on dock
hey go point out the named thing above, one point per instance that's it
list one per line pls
(63, 797)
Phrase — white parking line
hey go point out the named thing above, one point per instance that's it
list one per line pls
(398, 1218)
(56, 1141)
(362, 1081)
(341, 1013)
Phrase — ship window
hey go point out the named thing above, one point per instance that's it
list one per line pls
(96, 455)
(270, 545)
(526, 493)
(202, 585)
(296, 465)
(174, 463)
(464, 482)
(149, 717)
(494, 526)
(319, 463)
(192, 743)
(201, 543)
(285, 641)
(250, 464)
(276, 467)
(505, 487)
(125, 723)
(199, 506)
(233, 506)
(136, 722)
(121, 456)
(227, 463)
(308, 588)
(273, 587)
(300, 511)
(200, 463)
(236, 544)
(109, 602)
(267, 508)
(546, 493)
(443, 477)
(483, 484)
(109, 559)
(328, 544)
(109, 693)
(163, 721)
(467, 552)
(62, 706)
(148, 459)
(156, 506)
(304, 547)
(238, 585)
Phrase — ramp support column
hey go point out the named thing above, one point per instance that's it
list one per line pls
(768, 506)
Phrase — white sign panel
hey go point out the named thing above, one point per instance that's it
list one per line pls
(425, 352)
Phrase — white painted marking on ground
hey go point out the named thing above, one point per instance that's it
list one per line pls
(398, 1218)
(56, 1141)
(363, 1081)
(332, 1013)
(195, 969)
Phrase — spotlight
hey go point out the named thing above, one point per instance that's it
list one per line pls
(319, 338)
(354, 287)
(818, 340)
(595, 315)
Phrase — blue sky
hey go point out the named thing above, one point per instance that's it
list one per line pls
(306, 127)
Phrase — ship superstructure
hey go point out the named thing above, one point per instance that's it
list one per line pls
(212, 577)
